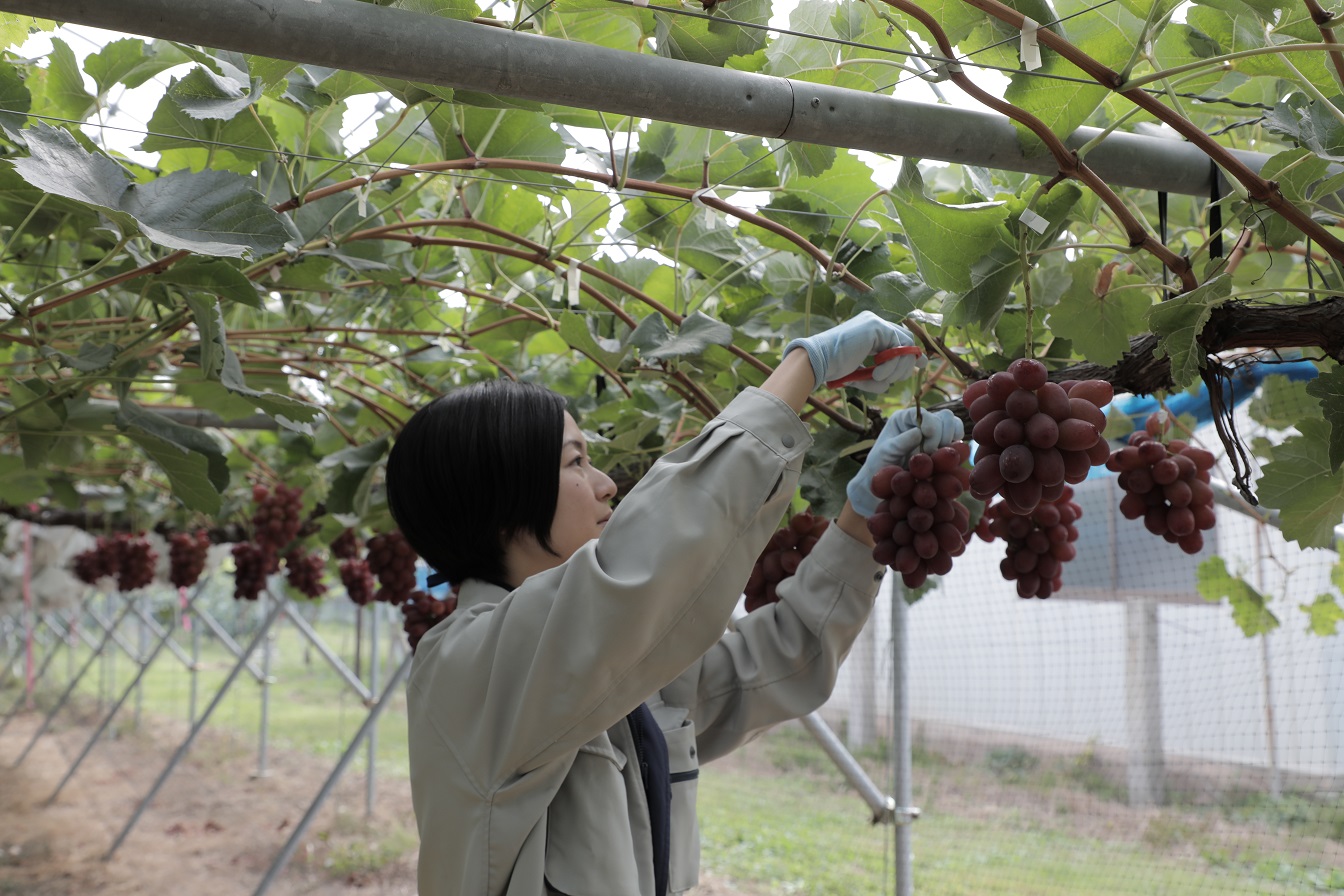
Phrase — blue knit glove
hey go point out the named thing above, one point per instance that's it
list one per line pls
(843, 349)
(898, 440)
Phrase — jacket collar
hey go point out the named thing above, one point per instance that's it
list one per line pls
(478, 592)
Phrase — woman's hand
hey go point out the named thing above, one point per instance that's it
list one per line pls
(906, 433)
(843, 349)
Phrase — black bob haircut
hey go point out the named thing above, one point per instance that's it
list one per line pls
(473, 468)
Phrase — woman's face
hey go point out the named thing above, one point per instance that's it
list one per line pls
(583, 504)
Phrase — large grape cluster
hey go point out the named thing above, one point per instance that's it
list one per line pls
(346, 546)
(129, 559)
(422, 611)
(920, 525)
(251, 563)
(783, 553)
(304, 571)
(276, 520)
(392, 560)
(186, 557)
(358, 581)
(1167, 485)
(1038, 543)
(1034, 436)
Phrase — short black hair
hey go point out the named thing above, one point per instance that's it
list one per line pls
(472, 469)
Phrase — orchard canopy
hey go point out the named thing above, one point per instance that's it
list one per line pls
(265, 263)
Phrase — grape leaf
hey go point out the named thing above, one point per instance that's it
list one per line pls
(944, 238)
(1294, 171)
(696, 333)
(1300, 483)
(14, 98)
(65, 83)
(1099, 325)
(1178, 323)
(132, 418)
(1328, 388)
(1323, 615)
(1249, 612)
(1281, 402)
(187, 471)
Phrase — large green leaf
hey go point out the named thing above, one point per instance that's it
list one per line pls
(575, 330)
(188, 471)
(1323, 615)
(809, 56)
(1098, 317)
(171, 127)
(218, 278)
(207, 212)
(133, 419)
(696, 333)
(1180, 320)
(14, 98)
(288, 412)
(712, 41)
(1294, 171)
(65, 84)
(1249, 610)
(353, 470)
(1328, 389)
(130, 62)
(1300, 483)
(204, 93)
(1309, 124)
(1280, 403)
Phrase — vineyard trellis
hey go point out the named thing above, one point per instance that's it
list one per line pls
(516, 214)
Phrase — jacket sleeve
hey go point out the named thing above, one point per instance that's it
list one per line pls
(780, 661)
(513, 685)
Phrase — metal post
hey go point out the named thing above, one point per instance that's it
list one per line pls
(883, 806)
(70, 689)
(371, 773)
(1143, 702)
(23, 695)
(141, 645)
(862, 718)
(370, 722)
(29, 618)
(107, 720)
(902, 764)
(195, 670)
(1267, 680)
(195, 730)
(315, 640)
(273, 594)
(373, 39)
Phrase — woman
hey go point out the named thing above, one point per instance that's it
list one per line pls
(559, 716)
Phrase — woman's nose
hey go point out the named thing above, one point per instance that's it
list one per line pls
(605, 487)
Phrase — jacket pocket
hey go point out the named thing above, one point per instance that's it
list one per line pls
(684, 767)
(589, 848)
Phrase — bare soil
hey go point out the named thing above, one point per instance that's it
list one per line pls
(212, 830)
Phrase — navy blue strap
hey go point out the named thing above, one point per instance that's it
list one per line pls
(435, 579)
(651, 750)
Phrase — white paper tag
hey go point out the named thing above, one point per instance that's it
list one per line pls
(1031, 47)
(641, 2)
(572, 278)
(363, 194)
(1034, 221)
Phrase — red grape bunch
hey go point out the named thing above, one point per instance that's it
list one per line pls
(251, 564)
(358, 580)
(1166, 484)
(99, 561)
(304, 571)
(277, 519)
(392, 560)
(783, 553)
(920, 525)
(135, 563)
(422, 611)
(1039, 543)
(1033, 436)
(186, 557)
(347, 545)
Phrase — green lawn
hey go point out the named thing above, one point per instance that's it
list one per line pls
(778, 819)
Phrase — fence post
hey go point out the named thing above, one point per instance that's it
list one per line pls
(1143, 702)
(902, 765)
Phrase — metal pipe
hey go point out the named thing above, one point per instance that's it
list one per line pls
(274, 593)
(882, 805)
(376, 40)
(370, 773)
(225, 638)
(902, 764)
(327, 653)
(19, 703)
(287, 852)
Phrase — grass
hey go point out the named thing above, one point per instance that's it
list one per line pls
(777, 818)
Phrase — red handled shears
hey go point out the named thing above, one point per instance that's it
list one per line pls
(882, 357)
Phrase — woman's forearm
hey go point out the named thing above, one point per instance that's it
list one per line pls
(792, 380)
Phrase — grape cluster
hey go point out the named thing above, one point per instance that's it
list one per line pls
(251, 563)
(277, 520)
(97, 562)
(422, 611)
(1166, 484)
(128, 559)
(783, 553)
(1039, 543)
(358, 580)
(304, 571)
(920, 525)
(186, 557)
(347, 545)
(1034, 436)
(392, 560)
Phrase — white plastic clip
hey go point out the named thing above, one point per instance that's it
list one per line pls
(572, 280)
(1034, 221)
(641, 2)
(363, 195)
(697, 198)
(1031, 47)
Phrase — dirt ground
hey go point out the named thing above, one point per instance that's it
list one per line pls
(213, 829)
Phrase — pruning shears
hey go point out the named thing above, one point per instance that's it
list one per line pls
(882, 357)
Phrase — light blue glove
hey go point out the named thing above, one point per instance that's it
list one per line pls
(901, 438)
(845, 348)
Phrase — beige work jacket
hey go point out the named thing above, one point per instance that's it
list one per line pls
(521, 771)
